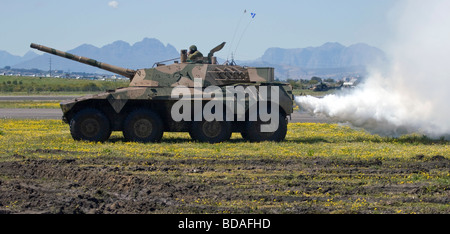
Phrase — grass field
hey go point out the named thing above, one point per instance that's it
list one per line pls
(30, 104)
(319, 168)
(22, 85)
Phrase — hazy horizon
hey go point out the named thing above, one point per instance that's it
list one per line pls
(285, 24)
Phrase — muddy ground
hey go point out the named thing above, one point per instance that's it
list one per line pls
(121, 185)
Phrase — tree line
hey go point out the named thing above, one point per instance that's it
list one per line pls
(304, 83)
(36, 87)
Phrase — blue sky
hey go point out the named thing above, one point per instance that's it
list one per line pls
(284, 23)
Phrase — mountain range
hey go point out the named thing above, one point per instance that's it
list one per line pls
(7, 59)
(329, 55)
(330, 60)
(142, 54)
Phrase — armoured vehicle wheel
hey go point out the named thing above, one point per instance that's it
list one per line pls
(210, 131)
(252, 131)
(143, 125)
(90, 125)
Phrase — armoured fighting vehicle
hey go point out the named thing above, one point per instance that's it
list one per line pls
(145, 109)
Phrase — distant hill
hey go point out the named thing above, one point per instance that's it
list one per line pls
(7, 59)
(330, 60)
(329, 55)
(142, 54)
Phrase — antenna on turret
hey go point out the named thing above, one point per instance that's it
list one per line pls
(242, 35)
(232, 63)
(234, 36)
(245, 30)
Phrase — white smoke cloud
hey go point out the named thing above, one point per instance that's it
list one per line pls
(414, 94)
(113, 4)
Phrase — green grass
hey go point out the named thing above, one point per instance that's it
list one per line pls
(19, 85)
(298, 92)
(319, 168)
(29, 104)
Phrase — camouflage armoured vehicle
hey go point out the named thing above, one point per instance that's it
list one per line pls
(145, 109)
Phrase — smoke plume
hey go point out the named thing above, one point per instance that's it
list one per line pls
(412, 94)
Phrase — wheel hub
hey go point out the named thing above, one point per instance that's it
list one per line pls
(143, 128)
(211, 129)
(90, 127)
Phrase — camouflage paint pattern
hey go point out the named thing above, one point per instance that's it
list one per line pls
(156, 84)
(196, 55)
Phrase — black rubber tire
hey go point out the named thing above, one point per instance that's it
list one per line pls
(143, 125)
(210, 131)
(90, 124)
(252, 131)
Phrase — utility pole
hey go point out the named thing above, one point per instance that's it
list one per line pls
(50, 63)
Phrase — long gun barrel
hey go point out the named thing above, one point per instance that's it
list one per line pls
(118, 70)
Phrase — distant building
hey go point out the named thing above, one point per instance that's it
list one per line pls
(350, 82)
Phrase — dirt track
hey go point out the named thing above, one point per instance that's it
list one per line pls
(121, 185)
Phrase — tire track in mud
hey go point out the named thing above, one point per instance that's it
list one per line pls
(123, 185)
(70, 186)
